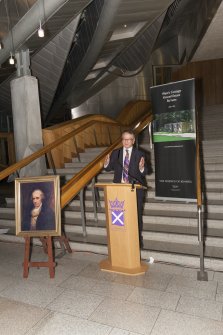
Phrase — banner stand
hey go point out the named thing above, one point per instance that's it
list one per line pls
(201, 275)
(176, 149)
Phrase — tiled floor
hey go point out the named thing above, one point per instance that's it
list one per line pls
(82, 300)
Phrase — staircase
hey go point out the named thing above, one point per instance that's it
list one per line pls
(170, 228)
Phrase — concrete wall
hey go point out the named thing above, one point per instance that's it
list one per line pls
(116, 95)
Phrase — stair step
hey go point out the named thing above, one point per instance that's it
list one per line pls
(155, 206)
(167, 257)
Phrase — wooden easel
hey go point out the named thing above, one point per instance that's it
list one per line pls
(48, 249)
(27, 264)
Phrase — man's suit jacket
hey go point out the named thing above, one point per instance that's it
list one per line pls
(45, 220)
(116, 164)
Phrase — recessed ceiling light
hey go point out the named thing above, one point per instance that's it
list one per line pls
(11, 59)
(40, 30)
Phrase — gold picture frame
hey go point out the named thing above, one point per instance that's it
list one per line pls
(37, 206)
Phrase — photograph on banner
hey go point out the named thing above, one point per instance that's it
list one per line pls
(174, 138)
(174, 126)
(37, 203)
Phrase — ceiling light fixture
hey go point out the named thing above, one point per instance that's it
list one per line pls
(40, 30)
(11, 59)
(1, 45)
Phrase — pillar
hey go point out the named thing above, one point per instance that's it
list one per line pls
(27, 123)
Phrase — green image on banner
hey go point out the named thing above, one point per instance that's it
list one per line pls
(174, 126)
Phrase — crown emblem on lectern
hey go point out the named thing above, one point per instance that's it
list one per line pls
(117, 212)
(117, 204)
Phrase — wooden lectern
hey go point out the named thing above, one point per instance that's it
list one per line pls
(122, 230)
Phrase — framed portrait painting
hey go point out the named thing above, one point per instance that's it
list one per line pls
(37, 205)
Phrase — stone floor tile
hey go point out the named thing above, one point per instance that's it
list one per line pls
(7, 251)
(61, 324)
(154, 298)
(173, 323)
(192, 273)
(126, 315)
(76, 303)
(219, 297)
(190, 282)
(157, 280)
(5, 280)
(220, 287)
(112, 290)
(71, 266)
(114, 304)
(130, 280)
(165, 268)
(32, 293)
(85, 256)
(93, 271)
(41, 275)
(79, 283)
(218, 276)
(13, 269)
(116, 331)
(154, 280)
(191, 287)
(208, 309)
(17, 318)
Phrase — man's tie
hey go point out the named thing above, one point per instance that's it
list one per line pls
(126, 167)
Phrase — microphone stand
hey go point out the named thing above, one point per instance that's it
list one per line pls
(133, 185)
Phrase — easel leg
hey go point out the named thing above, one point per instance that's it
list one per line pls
(50, 257)
(66, 243)
(26, 258)
(44, 243)
(50, 264)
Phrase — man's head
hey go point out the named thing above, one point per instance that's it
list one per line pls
(37, 198)
(128, 139)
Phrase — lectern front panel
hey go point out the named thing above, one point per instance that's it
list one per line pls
(122, 227)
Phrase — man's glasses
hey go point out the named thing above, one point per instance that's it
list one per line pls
(127, 139)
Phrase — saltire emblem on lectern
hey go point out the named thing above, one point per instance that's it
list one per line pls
(117, 212)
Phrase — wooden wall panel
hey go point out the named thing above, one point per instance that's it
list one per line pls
(211, 75)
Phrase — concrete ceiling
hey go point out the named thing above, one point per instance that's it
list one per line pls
(211, 45)
(100, 38)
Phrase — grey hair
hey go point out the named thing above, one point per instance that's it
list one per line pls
(41, 193)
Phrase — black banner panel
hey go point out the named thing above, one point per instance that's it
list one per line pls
(174, 137)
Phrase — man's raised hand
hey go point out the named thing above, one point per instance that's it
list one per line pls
(107, 160)
(141, 163)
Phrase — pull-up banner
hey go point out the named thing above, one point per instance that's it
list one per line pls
(174, 138)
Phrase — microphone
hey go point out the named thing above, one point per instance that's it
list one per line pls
(133, 185)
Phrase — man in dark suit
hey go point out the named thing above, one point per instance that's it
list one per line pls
(39, 216)
(128, 164)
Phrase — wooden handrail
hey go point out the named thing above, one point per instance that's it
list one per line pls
(75, 184)
(27, 160)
